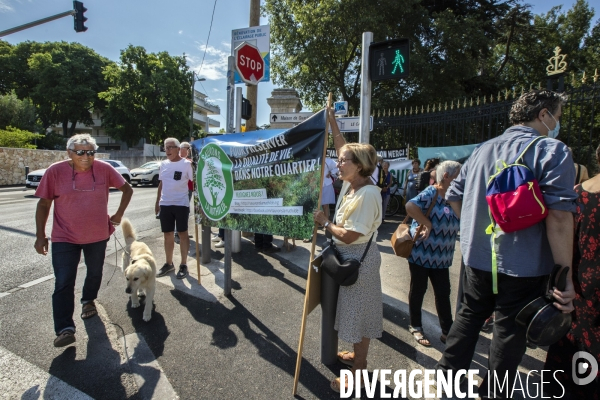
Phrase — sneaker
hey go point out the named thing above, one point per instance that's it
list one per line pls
(215, 238)
(220, 245)
(272, 249)
(177, 240)
(166, 269)
(183, 271)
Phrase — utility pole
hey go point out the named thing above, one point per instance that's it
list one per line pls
(252, 90)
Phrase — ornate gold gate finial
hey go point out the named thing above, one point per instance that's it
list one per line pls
(557, 64)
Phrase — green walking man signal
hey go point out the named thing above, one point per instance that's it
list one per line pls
(389, 59)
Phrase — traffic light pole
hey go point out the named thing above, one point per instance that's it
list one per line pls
(38, 22)
(365, 90)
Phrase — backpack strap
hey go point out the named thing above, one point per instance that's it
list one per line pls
(527, 145)
(492, 229)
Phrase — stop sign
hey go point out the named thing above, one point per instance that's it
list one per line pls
(249, 63)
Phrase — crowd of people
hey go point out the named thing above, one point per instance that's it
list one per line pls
(503, 272)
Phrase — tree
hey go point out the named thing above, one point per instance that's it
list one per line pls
(316, 47)
(148, 97)
(534, 40)
(17, 113)
(62, 80)
(18, 138)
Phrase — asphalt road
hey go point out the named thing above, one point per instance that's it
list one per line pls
(199, 343)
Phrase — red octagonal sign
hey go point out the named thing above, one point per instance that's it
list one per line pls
(249, 63)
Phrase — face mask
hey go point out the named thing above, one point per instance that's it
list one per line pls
(553, 133)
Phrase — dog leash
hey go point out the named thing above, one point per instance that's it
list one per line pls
(116, 256)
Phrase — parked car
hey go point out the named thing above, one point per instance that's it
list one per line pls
(121, 168)
(33, 178)
(146, 174)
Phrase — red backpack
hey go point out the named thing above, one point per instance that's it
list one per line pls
(515, 201)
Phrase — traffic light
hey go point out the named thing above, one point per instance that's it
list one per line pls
(246, 109)
(389, 59)
(79, 19)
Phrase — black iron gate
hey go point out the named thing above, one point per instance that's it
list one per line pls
(472, 121)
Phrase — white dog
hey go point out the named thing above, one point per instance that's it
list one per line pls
(139, 268)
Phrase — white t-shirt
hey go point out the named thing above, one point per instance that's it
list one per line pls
(331, 170)
(175, 177)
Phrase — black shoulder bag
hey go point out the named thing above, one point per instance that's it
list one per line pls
(345, 274)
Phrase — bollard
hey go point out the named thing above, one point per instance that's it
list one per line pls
(205, 251)
(329, 337)
(26, 172)
(236, 241)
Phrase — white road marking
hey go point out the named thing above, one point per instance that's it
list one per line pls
(147, 373)
(40, 280)
(23, 380)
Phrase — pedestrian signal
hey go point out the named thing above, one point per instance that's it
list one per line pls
(389, 59)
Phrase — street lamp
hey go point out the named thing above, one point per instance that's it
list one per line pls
(194, 80)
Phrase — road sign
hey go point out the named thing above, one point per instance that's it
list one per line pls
(258, 36)
(351, 124)
(389, 59)
(340, 107)
(249, 63)
(295, 118)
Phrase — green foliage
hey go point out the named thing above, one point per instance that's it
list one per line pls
(148, 97)
(459, 48)
(61, 79)
(17, 113)
(52, 141)
(18, 138)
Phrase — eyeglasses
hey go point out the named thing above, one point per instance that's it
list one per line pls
(83, 190)
(343, 160)
(82, 152)
(171, 147)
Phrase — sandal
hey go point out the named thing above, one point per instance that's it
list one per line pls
(65, 338)
(88, 310)
(336, 384)
(419, 336)
(346, 357)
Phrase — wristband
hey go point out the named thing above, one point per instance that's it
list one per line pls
(326, 225)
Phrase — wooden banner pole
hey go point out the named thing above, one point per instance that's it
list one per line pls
(310, 302)
(197, 251)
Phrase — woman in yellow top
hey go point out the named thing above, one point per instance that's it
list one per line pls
(359, 314)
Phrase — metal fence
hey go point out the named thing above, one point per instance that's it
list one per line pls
(472, 121)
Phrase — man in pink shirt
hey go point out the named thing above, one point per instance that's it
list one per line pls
(78, 187)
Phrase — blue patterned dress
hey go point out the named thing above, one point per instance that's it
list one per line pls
(437, 251)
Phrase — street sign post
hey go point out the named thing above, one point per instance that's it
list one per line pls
(340, 107)
(249, 63)
(351, 124)
(295, 118)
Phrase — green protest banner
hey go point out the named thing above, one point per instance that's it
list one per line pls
(263, 181)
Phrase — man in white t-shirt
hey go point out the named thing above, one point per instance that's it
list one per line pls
(173, 205)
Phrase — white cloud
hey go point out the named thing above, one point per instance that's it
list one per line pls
(180, 32)
(214, 66)
(216, 90)
(5, 6)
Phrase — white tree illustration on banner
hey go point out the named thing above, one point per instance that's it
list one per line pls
(214, 181)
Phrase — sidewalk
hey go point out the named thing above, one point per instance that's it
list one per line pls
(200, 344)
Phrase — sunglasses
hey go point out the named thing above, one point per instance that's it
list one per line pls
(343, 160)
(82, 152)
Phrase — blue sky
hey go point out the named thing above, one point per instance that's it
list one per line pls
(176, 26)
